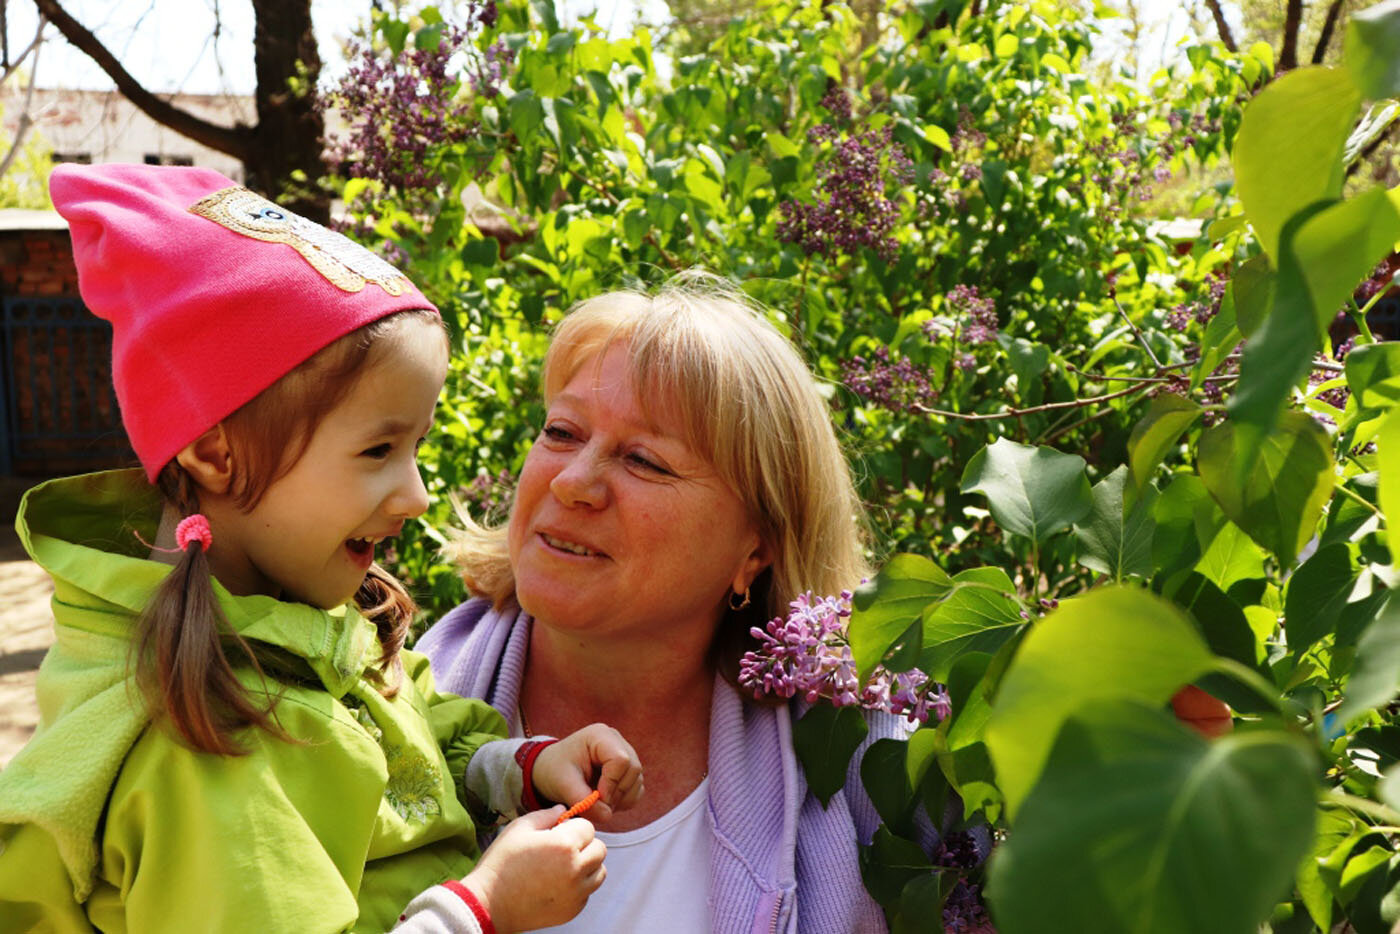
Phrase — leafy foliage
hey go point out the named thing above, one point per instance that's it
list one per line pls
(1093, 495)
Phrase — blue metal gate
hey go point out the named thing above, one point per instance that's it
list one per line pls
(59, 409)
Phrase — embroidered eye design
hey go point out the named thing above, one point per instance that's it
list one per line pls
(344, 263)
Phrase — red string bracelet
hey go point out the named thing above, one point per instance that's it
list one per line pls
(525, 757)
(483, 917)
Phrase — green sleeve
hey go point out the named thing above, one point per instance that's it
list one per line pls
(35, 891)
(271, 841)
(461, 725)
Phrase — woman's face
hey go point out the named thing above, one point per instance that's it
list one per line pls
(618, 526)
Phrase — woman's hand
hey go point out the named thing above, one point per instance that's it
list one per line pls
(565, 770)
(536, 875)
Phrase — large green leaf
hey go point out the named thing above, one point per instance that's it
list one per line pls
(1115, 538)
(1317, 594)
(1115, 642)
(1279, 500)
(1376, 675)
(1140, 826)
(1031, 491)
(825, 738)
(1157, 432)
(1220, 619)
(1373, 50)
(887, 610)
(979, 614)
(1373, 374)
(1307, 114)
(1326, 250)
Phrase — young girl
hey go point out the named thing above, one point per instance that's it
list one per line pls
(238, 742)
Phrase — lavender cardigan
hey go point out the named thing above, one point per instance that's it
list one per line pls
(780, 862)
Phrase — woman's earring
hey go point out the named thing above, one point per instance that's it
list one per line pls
(736, 607)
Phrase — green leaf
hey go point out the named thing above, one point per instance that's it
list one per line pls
(1115, 642)
(1031, 491)
(1140, 825)
(884, 609)
(1317, 594)
(1329, 251)
(1388, 490)
(1115, 539)
(1219, 618)
(1230, 555)
(1306, 113)
(429, 37)
(1373, 374)
(1376, 675)
(1253, 287)
(883, 776)
(1373, 50)
(979, 614)
(1333, 826)
(889, 863)
(825, 738)
(1279, 500)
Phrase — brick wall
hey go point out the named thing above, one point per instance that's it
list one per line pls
(56, 380)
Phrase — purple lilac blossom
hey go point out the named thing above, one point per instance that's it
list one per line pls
(806, 654)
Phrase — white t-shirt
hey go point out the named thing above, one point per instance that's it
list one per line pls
(658, 876)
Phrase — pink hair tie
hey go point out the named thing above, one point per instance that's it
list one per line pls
(193, 528)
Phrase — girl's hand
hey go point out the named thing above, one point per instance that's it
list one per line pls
(536, 875)
(565, 770)
(1201, 712)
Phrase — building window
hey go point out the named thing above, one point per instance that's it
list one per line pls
(155, 158)
(82, 158)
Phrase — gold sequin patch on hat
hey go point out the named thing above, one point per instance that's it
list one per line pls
(344, 263)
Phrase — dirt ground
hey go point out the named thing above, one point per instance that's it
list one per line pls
(26, 626)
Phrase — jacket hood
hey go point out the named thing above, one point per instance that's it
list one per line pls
(90, 533)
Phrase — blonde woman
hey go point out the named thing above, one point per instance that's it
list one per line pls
(685, 486)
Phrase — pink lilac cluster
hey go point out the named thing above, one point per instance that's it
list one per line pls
(402, 108)
(807, 654)
(1124, 155)
(489, 494)
(963, 911)
(898, 386)
(976, 314)
(852, 208)
(1203, 309)
(1380, 280)
(837, 103)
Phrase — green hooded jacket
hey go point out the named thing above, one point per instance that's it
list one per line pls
(108, 821)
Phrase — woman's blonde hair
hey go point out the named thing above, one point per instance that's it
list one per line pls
(749, 405)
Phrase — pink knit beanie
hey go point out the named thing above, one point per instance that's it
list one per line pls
(214, 292)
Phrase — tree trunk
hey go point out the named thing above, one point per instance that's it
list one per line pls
(281, 156)
(1292, 22)
(285, 157)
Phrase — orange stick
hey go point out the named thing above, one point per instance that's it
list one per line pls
(579, 808)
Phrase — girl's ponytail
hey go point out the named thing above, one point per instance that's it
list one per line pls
(180, 664)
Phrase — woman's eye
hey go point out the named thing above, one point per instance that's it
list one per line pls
(378, 452)
(646, 464)
(556, 433)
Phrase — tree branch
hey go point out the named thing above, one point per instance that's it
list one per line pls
(1047, 407)
(25, 120)
(1329, 25)
(1292, 22)
(1222, 27)
(234, 141)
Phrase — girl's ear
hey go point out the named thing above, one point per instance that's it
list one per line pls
(209, 461)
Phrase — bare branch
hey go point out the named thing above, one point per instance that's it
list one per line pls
(25, 120)
(1047, 407)
(1292, 23)
(234, 141)
(1222, 27)
(34, 44)
(1329, 25)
